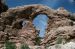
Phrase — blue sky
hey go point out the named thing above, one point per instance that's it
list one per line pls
(67, 4)
(42, 21)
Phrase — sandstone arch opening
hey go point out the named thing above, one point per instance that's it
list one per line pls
(40, 23)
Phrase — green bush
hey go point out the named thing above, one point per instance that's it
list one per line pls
(10, 45)
(58, 40)
(37, 40)
(24, 46)
(58, 46)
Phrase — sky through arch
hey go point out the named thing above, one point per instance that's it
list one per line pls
(40, 22)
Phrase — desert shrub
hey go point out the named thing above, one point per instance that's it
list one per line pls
(58, 46)
(38, 48)
(58, 40)
(47, 46)
(24, 46)
(37, 40)
(10, 45)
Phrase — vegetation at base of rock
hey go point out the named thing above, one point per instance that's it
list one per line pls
(37, 40)
(58, 40)
(46, 46)
(10, 45)
(38, 48)
(57, 46)
(24, 46)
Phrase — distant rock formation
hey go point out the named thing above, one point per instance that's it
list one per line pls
(17, 23)
(3, 7)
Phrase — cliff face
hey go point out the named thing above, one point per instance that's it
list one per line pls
(16, 25)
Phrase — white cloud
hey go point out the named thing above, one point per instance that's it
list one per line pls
(71, 1)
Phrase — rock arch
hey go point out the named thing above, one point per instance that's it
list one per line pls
(31, 11)
(28, 12)
(13, 17)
